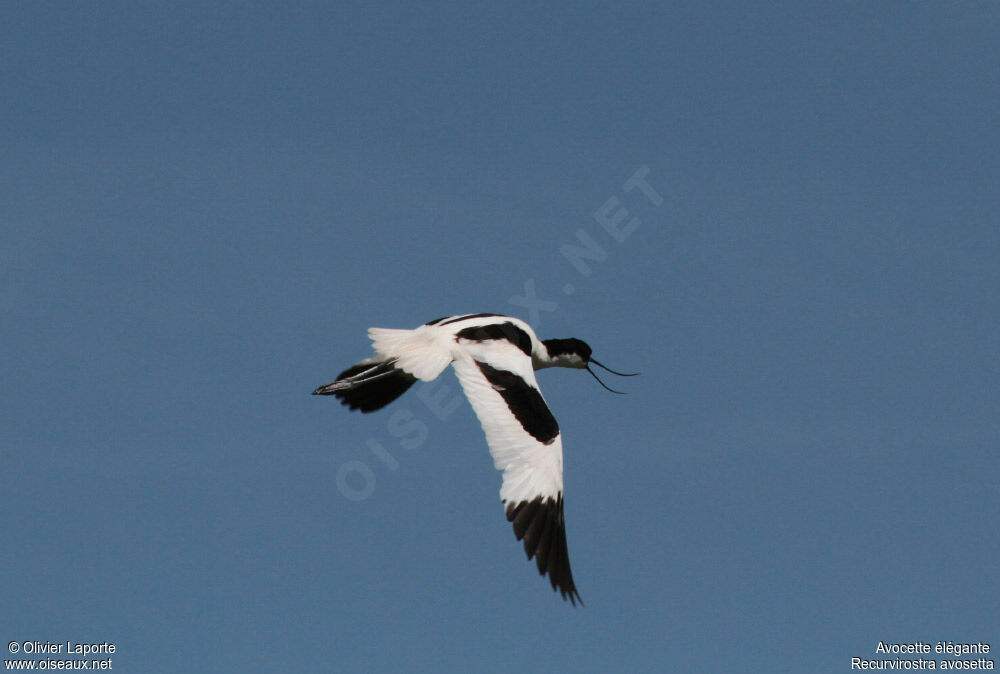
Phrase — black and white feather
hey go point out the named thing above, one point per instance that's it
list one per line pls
(495, 358)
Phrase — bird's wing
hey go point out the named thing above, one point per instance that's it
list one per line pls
(526, 445)
(369, 385)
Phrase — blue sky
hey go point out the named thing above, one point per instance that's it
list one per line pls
(205, 207)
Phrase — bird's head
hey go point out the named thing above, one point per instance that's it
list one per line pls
(576, 353)
(571, 352)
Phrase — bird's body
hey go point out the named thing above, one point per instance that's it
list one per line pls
(494, 358)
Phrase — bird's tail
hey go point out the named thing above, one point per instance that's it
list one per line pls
(419, 352)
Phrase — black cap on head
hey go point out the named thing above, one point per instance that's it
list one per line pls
(577, 347)
(558, 347)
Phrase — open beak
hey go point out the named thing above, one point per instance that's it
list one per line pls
(620, 374)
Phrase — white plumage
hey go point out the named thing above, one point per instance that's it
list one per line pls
(495, 358)
(530, 468)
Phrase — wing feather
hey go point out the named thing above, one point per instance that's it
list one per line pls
(531, 467)
(524, 440)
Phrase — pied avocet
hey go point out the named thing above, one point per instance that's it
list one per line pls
(494, 357)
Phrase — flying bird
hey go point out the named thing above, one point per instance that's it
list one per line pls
(495, 358)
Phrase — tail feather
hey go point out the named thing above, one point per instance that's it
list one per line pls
(415, 351)
(369, 385)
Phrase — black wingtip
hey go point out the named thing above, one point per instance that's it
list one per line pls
(539, 523)
(368, 386)
(574, 598)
